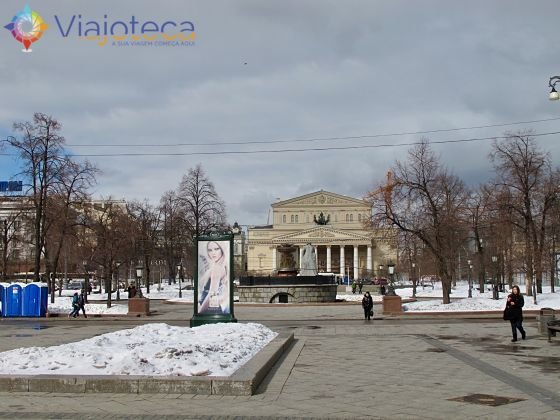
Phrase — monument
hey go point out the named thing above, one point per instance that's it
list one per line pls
(308, 261)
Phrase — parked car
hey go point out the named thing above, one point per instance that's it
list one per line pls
(378, 281)
(75, 285)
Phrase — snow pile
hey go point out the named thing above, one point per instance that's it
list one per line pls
(152, 349)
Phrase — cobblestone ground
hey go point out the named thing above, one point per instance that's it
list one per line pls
(339, 367)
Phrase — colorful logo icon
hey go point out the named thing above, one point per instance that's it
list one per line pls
(27, 27)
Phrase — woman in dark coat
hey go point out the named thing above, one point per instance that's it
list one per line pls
(367, 304)
(514, 307)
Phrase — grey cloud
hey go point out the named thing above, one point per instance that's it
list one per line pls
(314, 69)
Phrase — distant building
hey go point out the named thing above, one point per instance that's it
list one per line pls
(334, 224)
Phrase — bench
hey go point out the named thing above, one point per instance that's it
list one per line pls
(552, 327)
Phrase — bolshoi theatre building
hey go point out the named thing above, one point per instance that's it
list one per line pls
(333, 224)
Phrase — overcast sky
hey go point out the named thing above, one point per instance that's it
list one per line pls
(262, 71)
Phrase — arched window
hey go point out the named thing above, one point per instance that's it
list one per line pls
(347, 217)
(292, 218)
(284, 218)
(359, 217)
(306, 218)
(297, 218)
(351, 217)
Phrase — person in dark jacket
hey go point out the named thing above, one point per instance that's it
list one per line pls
(514, 306)
(75, 306)
(367, 304)
(82, 303)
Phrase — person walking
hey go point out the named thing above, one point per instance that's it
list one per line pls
(75, 306)
(514, 313)
(367, 304)
(360, 285)
(82, 304)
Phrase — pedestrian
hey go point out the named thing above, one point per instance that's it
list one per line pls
(75, 306)
(354, 287)
(367, 304)
(131, 291)
(360, 285)
(514, 313)
(82, 303)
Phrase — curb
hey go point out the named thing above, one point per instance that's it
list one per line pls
(243, 382)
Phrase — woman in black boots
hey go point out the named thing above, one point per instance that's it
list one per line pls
(514, 311)
(367, 304)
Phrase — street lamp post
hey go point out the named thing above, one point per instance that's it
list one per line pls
(495, 294)
(553, 95)
(391, 288)
(180, 272)
(381, 285)
(86, 281)
(139, 270)
(413, 279)
(469, 263)
(117, 265)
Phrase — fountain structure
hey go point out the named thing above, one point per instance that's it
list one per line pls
(290, 284)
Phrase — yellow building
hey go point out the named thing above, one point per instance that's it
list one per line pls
(334, 224)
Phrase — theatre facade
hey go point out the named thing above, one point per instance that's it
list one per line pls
(334, 224)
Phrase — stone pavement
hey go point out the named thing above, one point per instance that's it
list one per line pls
(339, 367)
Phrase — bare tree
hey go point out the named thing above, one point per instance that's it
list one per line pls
(175, 235)
(147, 222)
(10, 234)
(112, 228)
(525, 173)
(40, 148)
(74, 180)
(423, 199)
(204, 210)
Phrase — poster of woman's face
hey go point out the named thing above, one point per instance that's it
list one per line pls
(213, 277)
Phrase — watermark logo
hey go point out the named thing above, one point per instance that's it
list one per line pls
(27, 27)
(131, 32)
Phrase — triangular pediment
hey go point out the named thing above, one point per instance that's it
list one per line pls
(320, 199)
(321, 234)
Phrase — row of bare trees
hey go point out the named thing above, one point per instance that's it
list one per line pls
(506, 226)
(69, 231)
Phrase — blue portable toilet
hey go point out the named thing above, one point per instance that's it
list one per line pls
(12, 305)
(35, 298)
(2, 299)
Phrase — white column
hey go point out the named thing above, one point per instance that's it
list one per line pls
(355, 261)
(274, 258)
(328, 259)
(369, 261)
(316, 258)
(300, 256)
(342, 268)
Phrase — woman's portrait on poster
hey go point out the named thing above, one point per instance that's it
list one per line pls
(213, 277)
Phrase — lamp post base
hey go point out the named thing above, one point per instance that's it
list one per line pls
(198, 320)
(138, 306)
(392, 305)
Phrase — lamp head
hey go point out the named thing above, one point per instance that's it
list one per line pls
(553, 95)
(391, 268)
(139, 272)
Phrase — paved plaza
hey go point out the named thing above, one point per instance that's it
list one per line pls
(339, 366)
